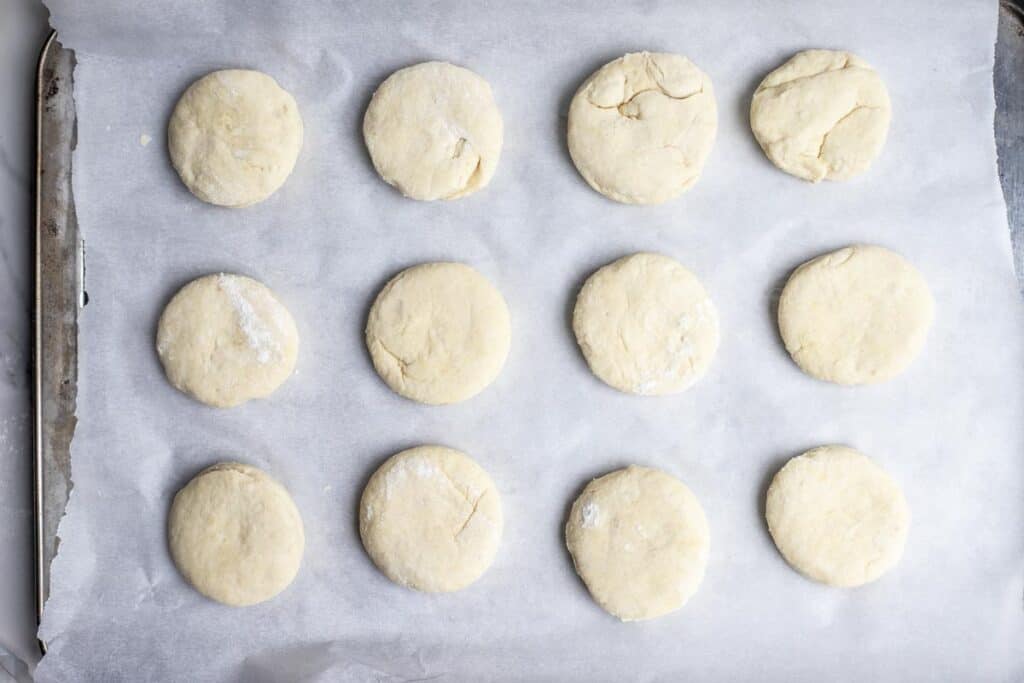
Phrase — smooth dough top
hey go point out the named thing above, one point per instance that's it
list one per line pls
(234, 137)
(641, 127)
(646, 325)
(640, 541)
(430, 519)
(837, 517)
(824, 114)
(434, 131)
(235, 534)
(225, 339)
(438, 333)
(858, 315)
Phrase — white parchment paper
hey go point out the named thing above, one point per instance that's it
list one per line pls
(950, 429)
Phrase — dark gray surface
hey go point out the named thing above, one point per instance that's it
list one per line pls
(1009, 83)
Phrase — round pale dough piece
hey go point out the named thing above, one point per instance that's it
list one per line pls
(438, 333)
(823, 114)
(645, 325)
(641, 127)
(858, 315)
(430, 519)
(837, 517)
(639, 540)
(235, 534)
(234, 137)
(225, 339)
(434, 131)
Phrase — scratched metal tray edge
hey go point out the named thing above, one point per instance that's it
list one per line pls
(1009, 122)
(60, 282)
(59, 293)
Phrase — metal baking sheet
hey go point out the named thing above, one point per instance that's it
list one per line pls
(59, 266)
(59, 271)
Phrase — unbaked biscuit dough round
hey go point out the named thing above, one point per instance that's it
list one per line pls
(823, 114)
(225, 339)
(837, 517)
(646, 325)
(438, 333)
(434, 131)
(234, 137)
(858, 315)
(639, 540)
(430, 519)
(641, 127)
(235, 534)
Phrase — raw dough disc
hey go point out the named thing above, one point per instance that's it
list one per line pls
(438, 333)
(641, 127)
(225, 339)
(859, 315)
(234, 137)
(430, 519)
(639, 540)
(235, 534)
(646, 325)
(837, 517)
(434, 131)
(822, 114)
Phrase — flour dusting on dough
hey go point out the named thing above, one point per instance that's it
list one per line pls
(258, 334)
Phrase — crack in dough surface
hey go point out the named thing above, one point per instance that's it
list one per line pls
(431, 519)
(640, 541)
(438, 333)
(226, 339)
(234, 137)
(434, 131)
(859, 315)
(824, 114)
(837, 517)
(641, 127)
(646, 325)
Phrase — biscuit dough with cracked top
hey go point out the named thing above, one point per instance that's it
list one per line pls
(639, 540)
(837, 517)
(646, 325)
(434, 131)
(859, 315)
(641, 127)
(438, 333)
(235, 534)
(824, 114)
(234, 137)
(430, 518)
